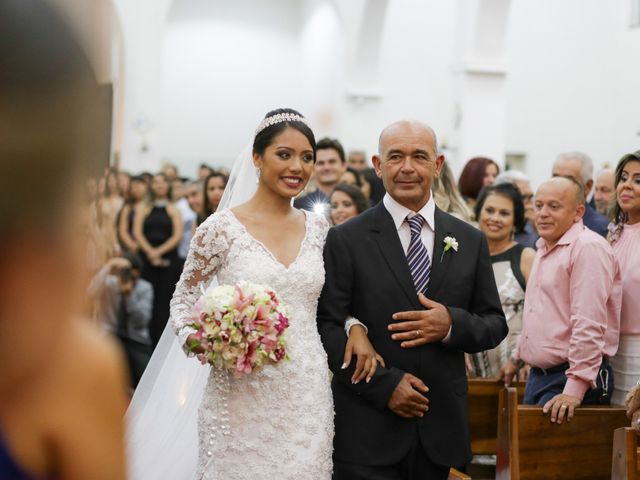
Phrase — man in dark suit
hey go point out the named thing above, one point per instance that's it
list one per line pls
(328, 168)
(421, 281)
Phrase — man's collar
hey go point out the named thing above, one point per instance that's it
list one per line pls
(399, 212)
(567, 239)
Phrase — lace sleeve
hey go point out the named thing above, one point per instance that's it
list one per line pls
(320, 227)
(206, 254)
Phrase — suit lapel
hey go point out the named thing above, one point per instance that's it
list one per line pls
(441, 259)
(386, 236)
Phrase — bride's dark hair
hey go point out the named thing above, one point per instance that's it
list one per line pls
(265, 137)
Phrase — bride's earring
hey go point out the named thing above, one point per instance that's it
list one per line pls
(258, 172)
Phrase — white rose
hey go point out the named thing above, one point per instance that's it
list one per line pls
(218, 298)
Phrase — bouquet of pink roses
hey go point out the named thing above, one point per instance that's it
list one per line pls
(240, 328)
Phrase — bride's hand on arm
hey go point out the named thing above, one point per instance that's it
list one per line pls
(358, 344)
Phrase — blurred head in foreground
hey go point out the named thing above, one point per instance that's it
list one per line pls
(50, 135)
(48, 115)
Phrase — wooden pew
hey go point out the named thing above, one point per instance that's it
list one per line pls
(531, 447)
(625, 461)
(456, 475)
(483, 396)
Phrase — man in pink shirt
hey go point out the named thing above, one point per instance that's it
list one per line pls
(571, 316)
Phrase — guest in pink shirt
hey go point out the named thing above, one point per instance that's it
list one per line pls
(572, 307)
(625, 240)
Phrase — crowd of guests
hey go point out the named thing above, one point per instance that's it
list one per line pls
(566, 269)
(564, 260)
(140, 230)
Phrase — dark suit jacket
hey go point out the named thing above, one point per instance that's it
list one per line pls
(527, 237)
(595, 221)
(367, 277)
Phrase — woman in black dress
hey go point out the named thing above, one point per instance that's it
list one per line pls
(158, 231)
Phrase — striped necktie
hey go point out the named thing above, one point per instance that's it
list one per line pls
(417, 254)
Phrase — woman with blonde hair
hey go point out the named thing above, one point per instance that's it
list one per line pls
(447, 196)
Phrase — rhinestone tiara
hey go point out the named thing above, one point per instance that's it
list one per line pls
(279, 118)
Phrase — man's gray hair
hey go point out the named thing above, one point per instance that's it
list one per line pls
(586, 163)
(196, 183)
(512, 176)
(604, 170)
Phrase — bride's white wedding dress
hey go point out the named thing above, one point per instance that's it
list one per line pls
(277, 423)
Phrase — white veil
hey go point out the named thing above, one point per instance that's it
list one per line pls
(162, 419)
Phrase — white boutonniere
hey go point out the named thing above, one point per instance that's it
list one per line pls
(449, 243)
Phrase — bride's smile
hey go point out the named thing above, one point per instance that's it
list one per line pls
(292, 182)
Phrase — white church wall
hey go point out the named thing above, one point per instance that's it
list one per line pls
(572, 81)
(227, 64)
(294, 53)
(479, 80)
(143, 28)
(413, 77)
(182, 105)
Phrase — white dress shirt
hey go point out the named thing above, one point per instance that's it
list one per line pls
(399, 213)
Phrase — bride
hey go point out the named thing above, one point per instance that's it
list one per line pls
(278, 422)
